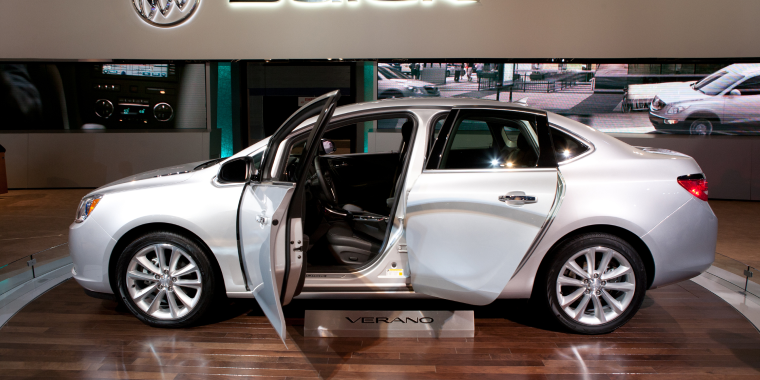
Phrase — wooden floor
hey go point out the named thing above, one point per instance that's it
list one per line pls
(682, 332)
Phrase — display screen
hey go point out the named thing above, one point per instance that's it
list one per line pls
(666, 98)
(132, 110)
(54, 96)
(137, 70)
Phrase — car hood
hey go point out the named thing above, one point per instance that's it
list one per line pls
(412, 82)
(158, 177)
(679, 92)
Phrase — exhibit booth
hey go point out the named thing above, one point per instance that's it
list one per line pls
(139, 98)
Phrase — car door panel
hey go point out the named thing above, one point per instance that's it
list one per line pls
(258, 206)
(264, 211)
(470, 219)
(464, 243)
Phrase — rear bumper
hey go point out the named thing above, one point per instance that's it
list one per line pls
(684, 243)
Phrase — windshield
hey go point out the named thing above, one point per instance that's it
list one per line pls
(717, 82)
(389, 73)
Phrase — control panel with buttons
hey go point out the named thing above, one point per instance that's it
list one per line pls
(125, 97)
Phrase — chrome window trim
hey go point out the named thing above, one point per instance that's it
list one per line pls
(582, 140)
(559, 196)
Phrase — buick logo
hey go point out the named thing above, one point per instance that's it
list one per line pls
(166, 13)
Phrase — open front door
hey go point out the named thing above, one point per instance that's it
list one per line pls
(473, 214)
(263, 214)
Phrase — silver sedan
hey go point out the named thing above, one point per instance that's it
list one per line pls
(477, 201)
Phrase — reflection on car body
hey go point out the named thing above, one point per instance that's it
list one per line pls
(392, 83)
(725, 101)
(480, 200)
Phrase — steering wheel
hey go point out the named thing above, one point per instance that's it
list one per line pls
(326, 182)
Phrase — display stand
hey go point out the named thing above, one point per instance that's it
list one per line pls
(390, 324)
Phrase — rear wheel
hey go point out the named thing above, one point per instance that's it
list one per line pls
(165, 280)
(595, 284)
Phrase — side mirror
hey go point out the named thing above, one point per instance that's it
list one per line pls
(735, 92)
(328, 146)
(236, 171)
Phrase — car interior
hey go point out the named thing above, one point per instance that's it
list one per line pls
(350, 195)
(491, 142)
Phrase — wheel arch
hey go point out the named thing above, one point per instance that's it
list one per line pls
(143, 229)
(703, 114)
(631, 238)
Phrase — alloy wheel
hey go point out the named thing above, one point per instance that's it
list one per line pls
(164, 281)
(701, 127)
(595, 286)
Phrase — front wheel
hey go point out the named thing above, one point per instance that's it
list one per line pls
(701, 127)
(595, 284)
(166, 280)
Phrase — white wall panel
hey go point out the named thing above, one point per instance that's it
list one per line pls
(111, 29)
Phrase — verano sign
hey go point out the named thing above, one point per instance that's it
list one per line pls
(168, 13)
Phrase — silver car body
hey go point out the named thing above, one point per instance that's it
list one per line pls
(612, 187)
(679, 102)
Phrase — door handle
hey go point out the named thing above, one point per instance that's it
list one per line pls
(518, 198)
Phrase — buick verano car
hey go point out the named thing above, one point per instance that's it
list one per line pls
(478, 200)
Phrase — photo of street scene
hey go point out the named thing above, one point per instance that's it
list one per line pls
(670, 98)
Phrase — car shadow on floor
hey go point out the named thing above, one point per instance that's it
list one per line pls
(521, 312)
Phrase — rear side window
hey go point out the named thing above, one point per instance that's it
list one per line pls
(566, 147)
(491, 142)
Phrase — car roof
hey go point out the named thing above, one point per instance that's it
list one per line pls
(433, 103)
(409, 103)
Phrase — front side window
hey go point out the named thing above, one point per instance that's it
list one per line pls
(491, 142)
(749, 87)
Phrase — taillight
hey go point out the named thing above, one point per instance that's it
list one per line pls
(696, 184)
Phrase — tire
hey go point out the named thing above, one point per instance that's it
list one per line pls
(618, 297)
(186, 279)
(700, 126)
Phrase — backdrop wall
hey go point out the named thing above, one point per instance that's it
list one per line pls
(287, 29)
(60, 160)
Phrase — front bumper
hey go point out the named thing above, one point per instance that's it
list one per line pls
(89, 246)
(660, 122)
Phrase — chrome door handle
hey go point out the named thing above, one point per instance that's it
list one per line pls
(518, 198)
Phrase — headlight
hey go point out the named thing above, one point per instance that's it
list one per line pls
(676, 109)
(416, 90)
(86, 207)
